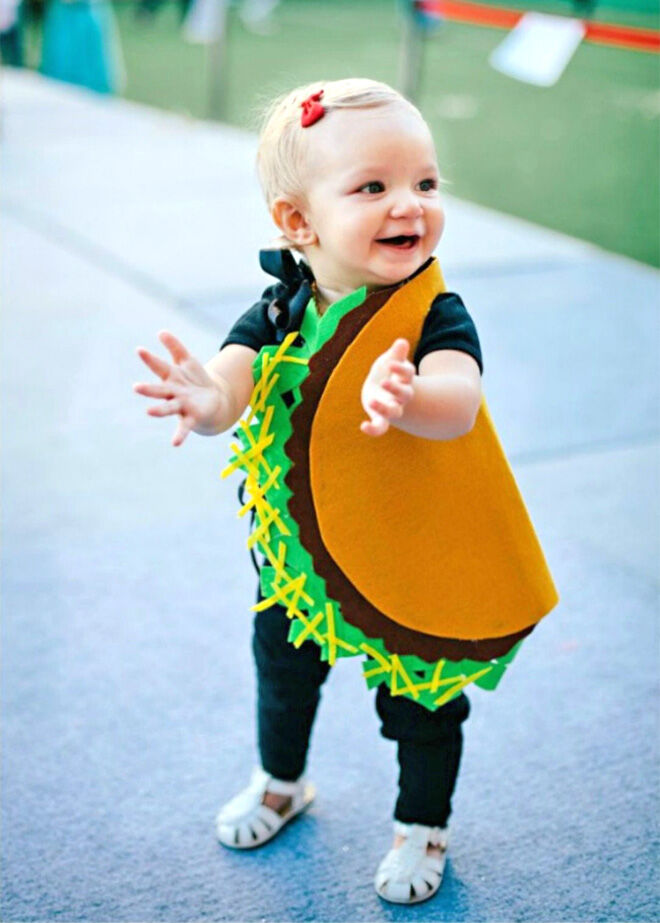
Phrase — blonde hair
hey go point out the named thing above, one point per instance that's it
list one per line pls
(283, 143)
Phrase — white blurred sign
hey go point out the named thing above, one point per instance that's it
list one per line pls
(538, 49)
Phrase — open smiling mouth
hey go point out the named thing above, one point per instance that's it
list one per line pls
(402, 242)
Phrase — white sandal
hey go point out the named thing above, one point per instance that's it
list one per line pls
(244, 822)
(408, 874)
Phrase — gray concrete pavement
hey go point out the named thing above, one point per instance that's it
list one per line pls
(127, 684)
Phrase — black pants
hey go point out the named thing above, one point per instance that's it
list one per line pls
(289, 690)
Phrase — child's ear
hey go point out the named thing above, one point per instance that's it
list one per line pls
(292, 221)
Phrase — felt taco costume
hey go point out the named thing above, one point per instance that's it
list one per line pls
(437, 575)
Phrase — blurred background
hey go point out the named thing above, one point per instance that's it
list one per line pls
(580, 156)
(130, 204)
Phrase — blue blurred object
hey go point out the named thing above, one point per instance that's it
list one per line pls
(81, 45)
(422, 19)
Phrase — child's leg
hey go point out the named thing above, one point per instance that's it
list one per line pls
(429, 752)
(289, 684)
(288, 693)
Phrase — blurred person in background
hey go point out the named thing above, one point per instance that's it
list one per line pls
(11, 33)
(206, 21)
(81, 45)
(147, 9)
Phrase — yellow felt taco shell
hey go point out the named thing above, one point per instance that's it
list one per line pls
(434, 534)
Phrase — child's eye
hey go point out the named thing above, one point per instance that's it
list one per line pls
(428, 185)
(372, 188)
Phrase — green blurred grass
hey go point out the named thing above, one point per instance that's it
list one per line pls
(581, 157)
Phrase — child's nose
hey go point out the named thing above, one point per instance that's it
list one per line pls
(406, 205)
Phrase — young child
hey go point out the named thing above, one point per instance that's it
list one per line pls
(360, 326)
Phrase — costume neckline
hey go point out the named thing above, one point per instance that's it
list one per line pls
(363, 289)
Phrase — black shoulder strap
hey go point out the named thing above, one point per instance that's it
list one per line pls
(286, 312)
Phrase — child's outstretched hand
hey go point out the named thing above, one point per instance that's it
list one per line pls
(186, 389)
(387, 388)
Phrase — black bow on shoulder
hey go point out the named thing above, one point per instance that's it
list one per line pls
(287, 308)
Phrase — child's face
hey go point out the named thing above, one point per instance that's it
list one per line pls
(372, 201)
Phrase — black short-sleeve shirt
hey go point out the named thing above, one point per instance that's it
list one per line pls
(446, 326)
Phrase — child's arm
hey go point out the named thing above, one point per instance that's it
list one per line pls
(441, 402)
(208, 399)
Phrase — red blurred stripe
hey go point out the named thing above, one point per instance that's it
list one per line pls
(604, 33)
(499, 17)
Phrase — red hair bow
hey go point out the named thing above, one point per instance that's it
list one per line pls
(312, 110)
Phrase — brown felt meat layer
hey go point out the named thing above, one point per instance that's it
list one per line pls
(357, 609)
